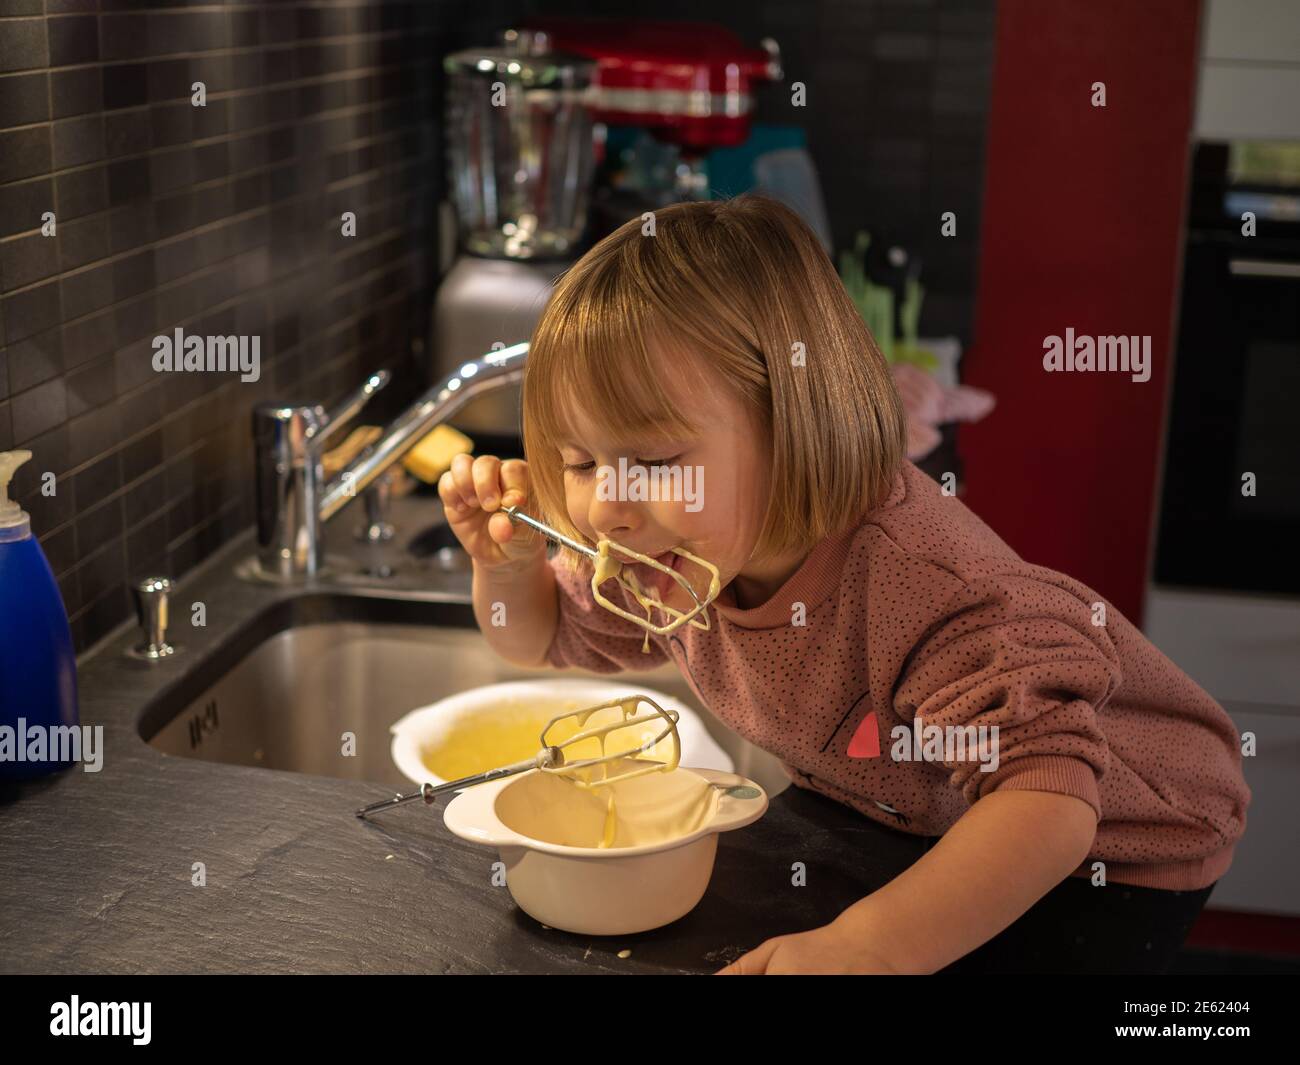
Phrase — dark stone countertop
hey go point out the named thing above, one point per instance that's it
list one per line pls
(95, 868)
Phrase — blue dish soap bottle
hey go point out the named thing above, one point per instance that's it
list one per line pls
(38, 671)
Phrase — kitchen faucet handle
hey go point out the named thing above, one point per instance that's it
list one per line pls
(151, 606)
(351, 407)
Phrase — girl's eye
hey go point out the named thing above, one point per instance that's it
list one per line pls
(587, 467)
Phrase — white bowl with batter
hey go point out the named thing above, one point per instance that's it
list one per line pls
(426, 729)
(546, 831)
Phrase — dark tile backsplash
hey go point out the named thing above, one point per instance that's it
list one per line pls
(224, 220)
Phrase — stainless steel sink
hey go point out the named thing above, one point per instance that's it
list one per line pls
(286, 690)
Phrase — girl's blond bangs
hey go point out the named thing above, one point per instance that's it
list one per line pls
(607, 371)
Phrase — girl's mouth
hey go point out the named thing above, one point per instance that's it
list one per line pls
(652, 579)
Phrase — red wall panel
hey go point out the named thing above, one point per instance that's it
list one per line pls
(1082, 223)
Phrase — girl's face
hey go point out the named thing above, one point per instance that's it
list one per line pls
(723, 474)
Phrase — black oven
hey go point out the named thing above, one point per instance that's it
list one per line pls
(1235, 401)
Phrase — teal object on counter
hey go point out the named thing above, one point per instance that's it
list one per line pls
(38, 670)
(731, 170)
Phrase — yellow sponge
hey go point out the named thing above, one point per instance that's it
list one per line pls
(355, 442)
(432, 456)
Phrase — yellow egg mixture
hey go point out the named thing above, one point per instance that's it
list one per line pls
(511, 732)
(651, 807)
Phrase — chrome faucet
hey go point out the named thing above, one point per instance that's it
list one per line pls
(293, 499)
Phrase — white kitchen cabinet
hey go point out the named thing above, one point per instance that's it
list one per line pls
(1249, 77)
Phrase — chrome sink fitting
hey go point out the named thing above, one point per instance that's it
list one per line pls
(294, 501)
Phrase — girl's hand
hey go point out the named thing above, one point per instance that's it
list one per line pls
(828, 950)
(473, 491)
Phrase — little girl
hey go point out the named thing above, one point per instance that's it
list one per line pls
(867, 620)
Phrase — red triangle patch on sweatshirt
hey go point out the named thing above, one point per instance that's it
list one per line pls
(866, 740)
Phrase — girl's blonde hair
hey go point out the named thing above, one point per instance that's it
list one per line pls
(742, 290)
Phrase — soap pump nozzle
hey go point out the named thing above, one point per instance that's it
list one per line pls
(11, 513)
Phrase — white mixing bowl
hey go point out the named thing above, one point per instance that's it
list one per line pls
(596, 890)
(426, 728)
(589, 890)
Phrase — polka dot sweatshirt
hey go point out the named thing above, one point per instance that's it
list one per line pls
(915, 663)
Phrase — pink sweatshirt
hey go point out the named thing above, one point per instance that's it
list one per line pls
(922, 612)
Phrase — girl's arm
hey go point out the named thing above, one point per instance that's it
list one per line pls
(1003, 855)
(517, 610)
(514, 586)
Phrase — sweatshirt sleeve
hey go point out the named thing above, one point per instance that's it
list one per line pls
(1022, 654)
(587, 636)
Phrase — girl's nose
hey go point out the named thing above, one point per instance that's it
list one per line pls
(613, 519)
